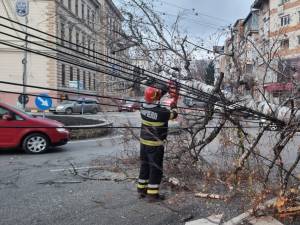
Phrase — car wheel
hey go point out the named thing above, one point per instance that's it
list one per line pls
(94, 111)
(35, 143)
(69, 111)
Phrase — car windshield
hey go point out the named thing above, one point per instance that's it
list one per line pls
(130, 101)
(22, 111)
(66, 102)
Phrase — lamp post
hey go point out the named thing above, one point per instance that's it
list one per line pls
(22, 10)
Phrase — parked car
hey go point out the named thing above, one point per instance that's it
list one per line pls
(269, 125)
(193, 103)
(129, 106)
(34, 135)
(80, 105)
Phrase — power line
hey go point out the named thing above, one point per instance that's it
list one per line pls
(157, 75)
(84, 66)
(193, 9)
(194, 20)
(201, 92)
(80, 65)
(209, 96)
(74, 55)
(105, 97)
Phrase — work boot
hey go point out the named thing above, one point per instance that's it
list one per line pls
(142, 193)
(155, 198)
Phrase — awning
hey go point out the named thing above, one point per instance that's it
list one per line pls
(272, 87)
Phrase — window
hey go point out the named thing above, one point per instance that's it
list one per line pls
(82, 10)
(285, 43)
(298, 37)
(71, 73)
(77, 40)
(70, 35)
(78, 75)
(76, 7)
(70, 4)
(94, 53)
(3, 112)
(94, 82)
(285, 20)
(89, 46)
(284, 1)
(90, 81)
(88, 16)
(93, 20)
(249, 68)
(83, 44)
(63, 75)
(62, 32)
(84, 84)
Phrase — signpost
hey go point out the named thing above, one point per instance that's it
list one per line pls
(23, 99)
(43, 102)
(22, 10)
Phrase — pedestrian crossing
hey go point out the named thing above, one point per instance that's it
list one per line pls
(243, 219)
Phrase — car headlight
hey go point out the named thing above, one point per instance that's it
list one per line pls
(60, 107)
(61, 129)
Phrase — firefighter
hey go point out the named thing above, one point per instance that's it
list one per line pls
(154, 132)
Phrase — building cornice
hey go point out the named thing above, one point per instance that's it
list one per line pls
(115, 9)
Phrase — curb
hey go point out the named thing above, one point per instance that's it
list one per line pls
(89, 131)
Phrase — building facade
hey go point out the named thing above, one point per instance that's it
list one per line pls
(270, 41)
(77, 27)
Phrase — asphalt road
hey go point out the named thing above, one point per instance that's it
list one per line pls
(39, 189)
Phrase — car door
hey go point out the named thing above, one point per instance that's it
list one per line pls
(77, 107)
(88, 106)
(9, 130)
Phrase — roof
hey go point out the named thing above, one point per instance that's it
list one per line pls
(258, 3)
(115, 9)
(249, 16)
(238, 22)
(96, 2)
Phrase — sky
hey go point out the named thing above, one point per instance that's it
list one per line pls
(203, 20)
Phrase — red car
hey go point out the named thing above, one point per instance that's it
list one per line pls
(34, 135)
(129, 106)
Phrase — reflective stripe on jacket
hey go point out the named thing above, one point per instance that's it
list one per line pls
(155, 124)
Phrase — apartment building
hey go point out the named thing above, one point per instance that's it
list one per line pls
(270, 41)
(82, 28)
(115, 48)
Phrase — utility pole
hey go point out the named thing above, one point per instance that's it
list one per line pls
(22, 10)
(24, 62)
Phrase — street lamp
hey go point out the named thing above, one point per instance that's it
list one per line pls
(22, 10)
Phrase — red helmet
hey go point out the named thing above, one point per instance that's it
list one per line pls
(152, 94)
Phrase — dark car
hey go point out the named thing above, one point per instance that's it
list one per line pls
(129, 105)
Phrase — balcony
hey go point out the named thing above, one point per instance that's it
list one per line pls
(251, 23)
(276, 87)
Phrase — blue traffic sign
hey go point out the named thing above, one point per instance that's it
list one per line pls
(43, 102)
(22, 7)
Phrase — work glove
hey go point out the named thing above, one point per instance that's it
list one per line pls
(164, 88)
